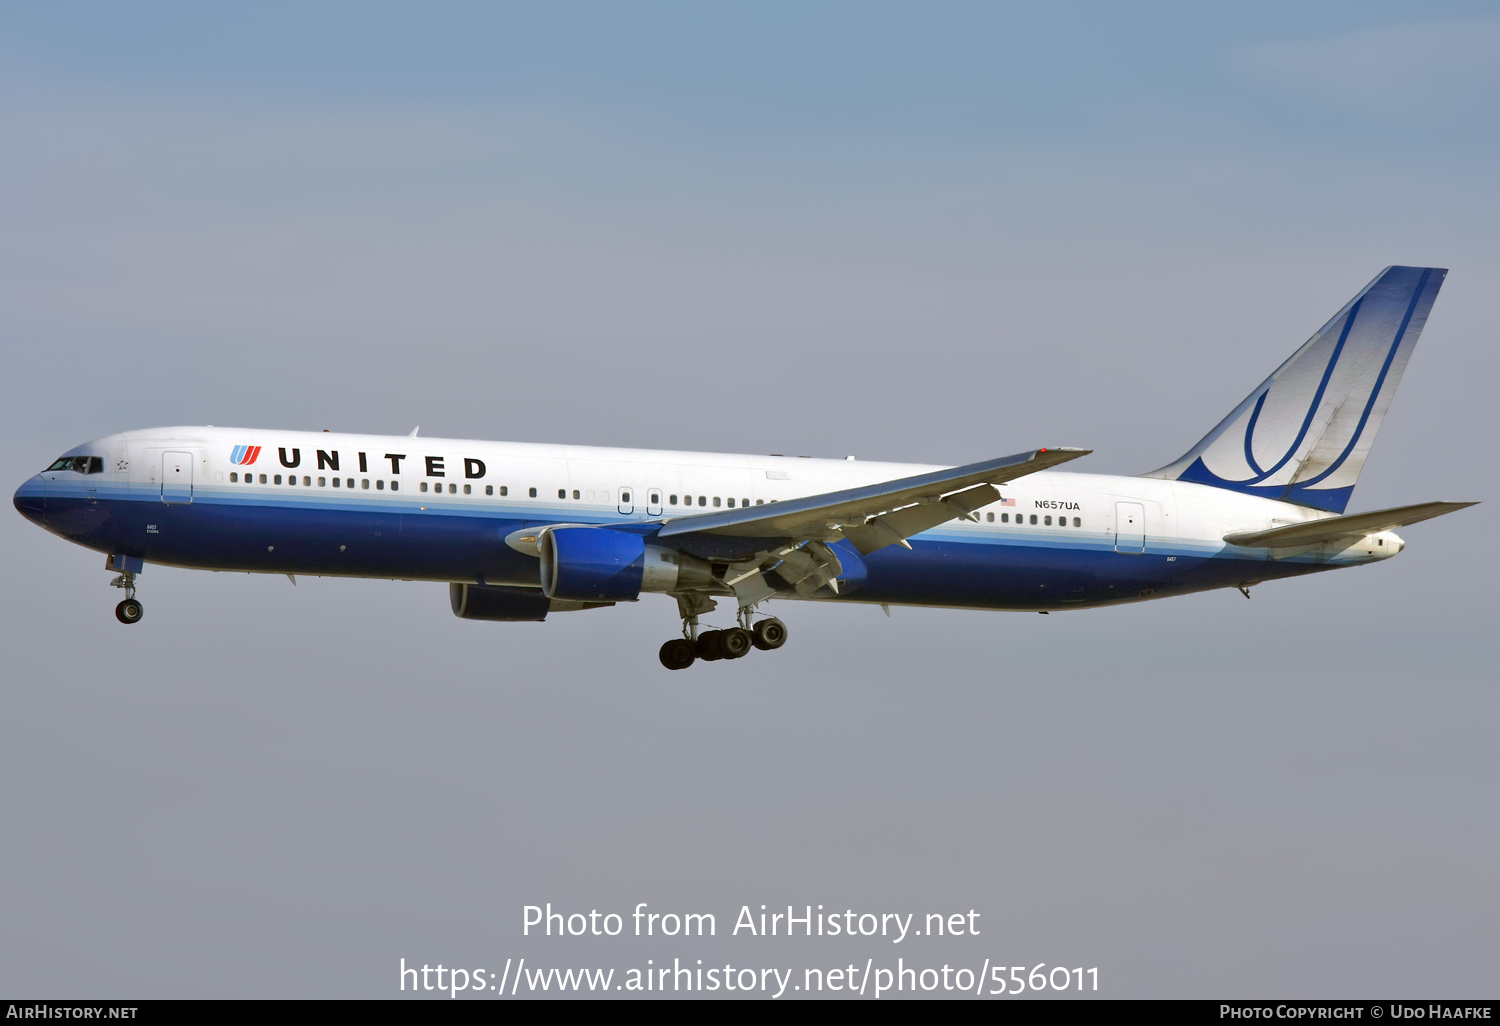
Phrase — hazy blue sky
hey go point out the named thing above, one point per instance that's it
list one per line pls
(935, 232)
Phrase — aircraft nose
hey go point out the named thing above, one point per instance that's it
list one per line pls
(31, 499)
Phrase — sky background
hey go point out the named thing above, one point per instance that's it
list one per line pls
(925, 232)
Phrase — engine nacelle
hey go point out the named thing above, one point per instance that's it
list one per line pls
(514, 605)
(592, 564)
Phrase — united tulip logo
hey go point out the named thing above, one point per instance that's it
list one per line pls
(244, 455)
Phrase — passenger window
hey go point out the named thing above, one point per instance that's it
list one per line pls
(380, 486)
(468, 490)
(625, 497)
(760, 502)
(703, 500)
(395, 486)
(489, 489)
(322, 482)
(687, 500)
(1005, 518)
(421, 487)
(533, 493)
(335, 482)
(672, 499)
(744, 502)
(453, 489)
(504, 490)
(1033, 518)
(731, 502)
(348, 482)
(278, 479)
(234, 478)
(1077, 522)
(364, 482)
(990, 517)
(576, 493)
(562, 493)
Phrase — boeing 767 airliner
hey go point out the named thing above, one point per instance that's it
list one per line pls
(521, 530)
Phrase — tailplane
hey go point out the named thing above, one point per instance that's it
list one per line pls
(1304, 434)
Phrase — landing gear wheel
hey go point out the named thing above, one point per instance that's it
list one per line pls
(708, 646)
(678, 654)
(735, 643)
(129, 611)
(768, 634)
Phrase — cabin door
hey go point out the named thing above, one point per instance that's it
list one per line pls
(177, 477)
(1130, 527)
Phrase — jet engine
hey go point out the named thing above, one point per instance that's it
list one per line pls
(492, 602)
(600, 564)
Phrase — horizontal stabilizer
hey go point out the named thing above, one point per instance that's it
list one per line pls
(1355, 525)
(815, 516)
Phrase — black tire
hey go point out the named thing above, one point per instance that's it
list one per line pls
(129, 611)
(735, 643)
(708, 646)
(678, 654)
(768, 634)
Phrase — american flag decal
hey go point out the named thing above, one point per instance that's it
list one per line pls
(1007, 502)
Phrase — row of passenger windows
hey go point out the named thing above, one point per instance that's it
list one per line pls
(323, 482)
(437, 487)
(562, 493)
(1046, 520)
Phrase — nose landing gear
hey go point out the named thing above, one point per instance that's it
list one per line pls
(713, 645)
(130, 610)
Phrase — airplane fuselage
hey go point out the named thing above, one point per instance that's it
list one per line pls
(437, 509)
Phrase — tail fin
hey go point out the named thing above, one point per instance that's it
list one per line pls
(1303, 435)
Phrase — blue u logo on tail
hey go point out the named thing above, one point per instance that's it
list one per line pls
(1304, 434)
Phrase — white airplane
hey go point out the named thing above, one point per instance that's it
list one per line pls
(519, 531)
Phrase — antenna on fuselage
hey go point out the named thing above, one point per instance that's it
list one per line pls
(414, 431)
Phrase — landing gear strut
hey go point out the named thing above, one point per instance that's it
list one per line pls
(712, 645)
(130, 610)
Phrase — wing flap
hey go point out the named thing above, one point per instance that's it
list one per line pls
(1355, 525)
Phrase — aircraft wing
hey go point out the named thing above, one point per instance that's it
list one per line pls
(1355, 525)
(877, 515)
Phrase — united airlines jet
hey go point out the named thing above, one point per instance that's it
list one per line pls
(519, 531)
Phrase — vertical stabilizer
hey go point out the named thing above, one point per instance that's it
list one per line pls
(1303, 435)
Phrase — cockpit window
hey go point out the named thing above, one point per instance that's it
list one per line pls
(80, 464)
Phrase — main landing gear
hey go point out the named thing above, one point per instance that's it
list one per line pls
(130, 610)
(710, 646)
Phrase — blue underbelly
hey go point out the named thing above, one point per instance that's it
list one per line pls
(404, 541)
